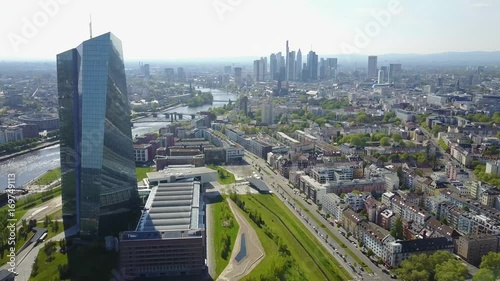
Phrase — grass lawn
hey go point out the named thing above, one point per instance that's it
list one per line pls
(223, 176)
(221, 215)
(49, 177)
(56, 215)
(23, 205)
(311, 260)
(330, 234)
(20, 240)
(48, 270)
(87, 263)
(141, 172)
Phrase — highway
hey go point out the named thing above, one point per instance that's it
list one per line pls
(287, 194)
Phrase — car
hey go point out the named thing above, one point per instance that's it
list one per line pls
(393, 276)
(385, 271)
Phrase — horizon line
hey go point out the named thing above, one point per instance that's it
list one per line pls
(250, 56)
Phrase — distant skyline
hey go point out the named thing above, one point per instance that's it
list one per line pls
(191, 29)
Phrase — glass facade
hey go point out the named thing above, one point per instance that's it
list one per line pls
(97, 158)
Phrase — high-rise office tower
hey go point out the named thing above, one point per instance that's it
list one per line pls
(256, 69)
(99, 184)
(244, 104)
(281, 60)
(227, 69)
(312, 65)
(181, 76)
(260, 69)
(372, 66)
(395, 71)
(298, 66)
(263, 68)
(385, 74)
(331, 68)
(322, 68)
(237, 76)
(273, 67)
(267, 111)
(287, 61)
(291, 65)
(146, 70)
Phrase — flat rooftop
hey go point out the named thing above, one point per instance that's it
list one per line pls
(183, 171)
(172, 206)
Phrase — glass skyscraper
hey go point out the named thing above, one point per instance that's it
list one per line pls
(97, 158)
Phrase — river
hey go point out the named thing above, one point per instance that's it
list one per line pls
(31, 165)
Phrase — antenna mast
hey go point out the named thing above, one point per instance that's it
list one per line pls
(90, 26)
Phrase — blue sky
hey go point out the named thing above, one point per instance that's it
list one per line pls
(167, 29)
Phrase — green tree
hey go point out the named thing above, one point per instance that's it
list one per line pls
(382, 158)
(451, 270)
(484, 274)
(440, 266)
(377, 136)
(491, 261)
(415, 268)
(35, 268)
(397, 229)
(46, 221)
(385, 141)
(397, 137)
(436, 129)
(421, 157)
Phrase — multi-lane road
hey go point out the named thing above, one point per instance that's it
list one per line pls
(279, 185)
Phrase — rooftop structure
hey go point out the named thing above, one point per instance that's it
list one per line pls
(180, 173)
(170, 236)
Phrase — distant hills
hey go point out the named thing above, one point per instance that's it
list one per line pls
(360, 60)
(447, 58)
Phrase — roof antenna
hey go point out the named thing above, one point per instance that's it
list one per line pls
(90, 26)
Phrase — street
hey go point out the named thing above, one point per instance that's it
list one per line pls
(26, 258)
(285, 193)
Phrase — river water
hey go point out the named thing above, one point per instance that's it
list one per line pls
(31, 165)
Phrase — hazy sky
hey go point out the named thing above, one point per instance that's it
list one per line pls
(168, 29)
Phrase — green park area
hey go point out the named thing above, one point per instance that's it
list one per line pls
(49, 177)
(52, 262)
(52, 222)
(141, 172)
(292, 252)
(223, 176)
(225, 231)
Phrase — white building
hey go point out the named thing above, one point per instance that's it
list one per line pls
(334, 205)
(355, 201)
(493, 167)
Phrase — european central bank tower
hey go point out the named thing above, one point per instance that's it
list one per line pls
(99, 185)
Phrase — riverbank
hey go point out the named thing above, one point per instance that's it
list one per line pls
(41, 146)
(161, 112)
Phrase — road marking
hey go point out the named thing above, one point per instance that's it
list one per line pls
(37, 211)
